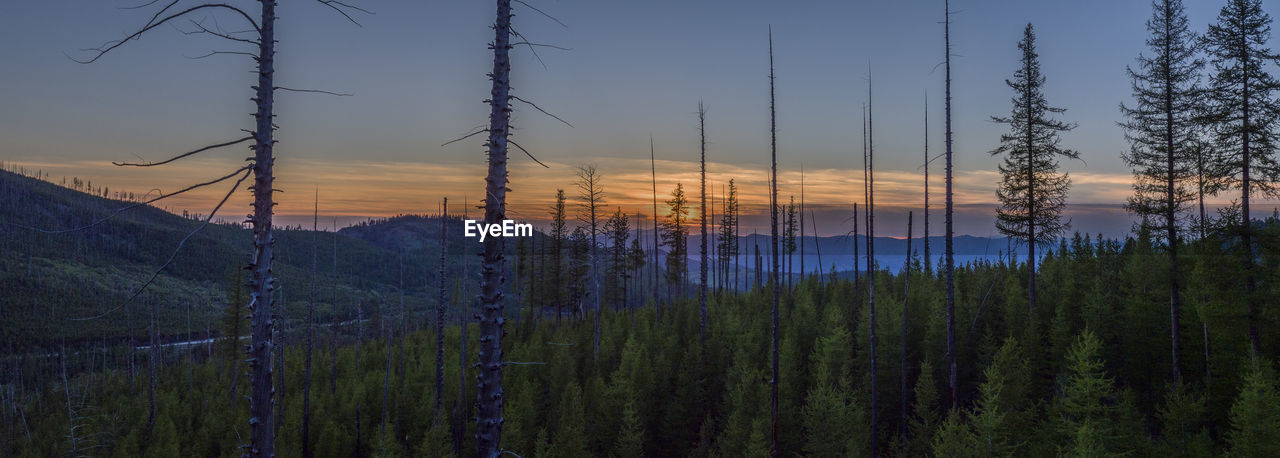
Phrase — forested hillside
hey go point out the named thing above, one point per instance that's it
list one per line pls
(71, 259)
(1076, 377)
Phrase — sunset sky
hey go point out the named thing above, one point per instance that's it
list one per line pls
(634, 69)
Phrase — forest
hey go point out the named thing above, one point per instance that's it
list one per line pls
(669, 330)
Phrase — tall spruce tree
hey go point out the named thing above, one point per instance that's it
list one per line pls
(1032, 191)
(1161, 128)
(1242, 113)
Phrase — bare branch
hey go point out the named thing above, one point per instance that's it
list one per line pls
(553, 18)
(544, 45)
(317, 91)
(464, 137)
(338, 6)
(136, 205)
(203, 29)
(144, 5)
(174, 255)
(531, 48)
(180, 156)
(536, 107)
(215, 53)
(153, 23)
(527, 153)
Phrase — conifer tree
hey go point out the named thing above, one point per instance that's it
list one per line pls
(1161, 129)
(675, 233)
(1255, 423)
(1242, 115)
(1032, 192)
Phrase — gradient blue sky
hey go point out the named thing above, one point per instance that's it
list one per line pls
(416, 70)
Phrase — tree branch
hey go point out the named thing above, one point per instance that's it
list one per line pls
(317, 91)
(464, 137)
(536, 107)
(247, 172)
(153, 23)
(338, 6)
(180, 156)
(527, 153)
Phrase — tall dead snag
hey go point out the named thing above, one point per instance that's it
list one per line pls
(311, 329)
(702, 217)
(1243, 118)
(928, 261)
(773, 218)
(902, 364)
(1032, 192)
(871, 267)
(1161, 129)
(489, 395)
(653, 169)
(950, 233)
(441, 300)
(800, 242)
(262, 282)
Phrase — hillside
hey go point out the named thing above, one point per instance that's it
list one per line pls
(52, 280)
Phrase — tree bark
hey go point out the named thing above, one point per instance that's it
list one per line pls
(262, 282)
(489, 397)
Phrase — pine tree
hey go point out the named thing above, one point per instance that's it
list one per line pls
(1089, 409)
(675, 233)
(1242, 115)
(1032, 192)
(1161, 129)
(1255, 422)
(559, 236)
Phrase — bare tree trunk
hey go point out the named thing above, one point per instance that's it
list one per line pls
(152, 370)
(359, 373)
(440, 304)
(800, 245)
(702, 215)
(333, 327)
(928, 260)
(653, 169)
(857, 279)
(871, 269)
(774, 450)
(490, 396)
(950, 233)
(311, 330)
(262, 282)
(902, 364)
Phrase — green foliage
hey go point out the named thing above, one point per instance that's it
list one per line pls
(1255, 421)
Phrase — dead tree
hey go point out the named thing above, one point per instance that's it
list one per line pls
(950, 233)
(902, 364)
(702, 216)
(773, 206)
(653, 169)
(489, 397)
(311, 330)
(441, 300)
(262, 281)
(801, 242)
(928, 260)
(871, 269)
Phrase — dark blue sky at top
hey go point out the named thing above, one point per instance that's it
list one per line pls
(635, 68)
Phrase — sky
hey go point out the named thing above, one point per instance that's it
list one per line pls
(633, 70)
